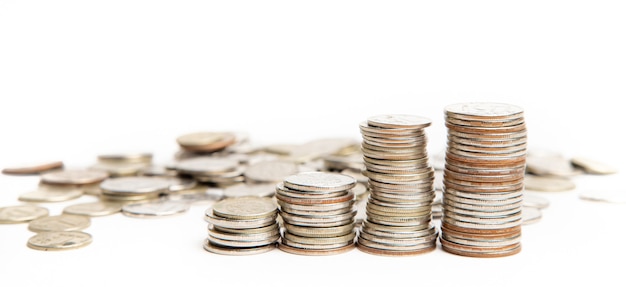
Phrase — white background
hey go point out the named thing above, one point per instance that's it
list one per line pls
(79, 78)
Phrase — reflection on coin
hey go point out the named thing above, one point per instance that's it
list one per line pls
(64, 222)
(530, 215)
(21, 213)
(319, 181)
(134, 186)
(155, 208)
(74, 177)
(548, 183)
(99, 208)
(399, 121)
(35, 168)
(592, 166)
(59, 240)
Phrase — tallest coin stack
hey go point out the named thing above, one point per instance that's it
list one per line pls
(483, 179)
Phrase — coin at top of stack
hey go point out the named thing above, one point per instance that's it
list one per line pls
(483, 179)
(242, 226)
(318, 212)
(399, 208)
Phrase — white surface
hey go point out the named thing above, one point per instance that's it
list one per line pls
(79, 78)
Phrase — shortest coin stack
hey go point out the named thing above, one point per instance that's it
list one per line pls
(318, 212)
(242, 226)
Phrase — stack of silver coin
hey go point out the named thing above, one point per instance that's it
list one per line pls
(401, 179)
(242, 226)
(318, 213)
(483, 179)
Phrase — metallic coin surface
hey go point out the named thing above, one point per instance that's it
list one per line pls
(399, 121)
(21, 213)
(33, 168)
(63, 222)
(531, 200)
(59, 240)
(248, 207)
(530, 215)
(319, 181)
(225, 250)
(270, 171)
(206, 141)
(134, 185)
(155, 209)
(74, 177)
(98, 208)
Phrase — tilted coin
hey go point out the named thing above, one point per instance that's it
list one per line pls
(206, 141)
(155, 209)
(59, 240)
(74, 177)
(592, 166)
(21, 213)
(33, 168)
(98, 208)
(555, 165)
(63, 222)
(604, 195)
(548, 183)
(399, 121)
(225, 250)
(248, 207)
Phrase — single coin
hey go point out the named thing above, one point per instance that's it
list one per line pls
(592, 166)
(21, 213)
(74, 177)
(399, 121)
(315, 252)
(548, 183)
(237, 223)
(50, 196)
(33, 168)
(319, 181)
(63, 222)
(59, 240)
(486, 111)
(270, 171)
(98, 208)
(244, 189)
(133, 185)
(535, 201)
(207, 165)
(550, 165)
(155, 209)
(126, 157)
(610, 196)
(530, 215)
(237, 251)
(206, 141)
(247, 207)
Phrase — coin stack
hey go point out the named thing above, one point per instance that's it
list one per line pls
(483, 179)
(318, 212)
(242, 226)
(399, 208)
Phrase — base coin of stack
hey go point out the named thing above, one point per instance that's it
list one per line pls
(399, 207)
(318, 213)
(242, 226)
(483, 179)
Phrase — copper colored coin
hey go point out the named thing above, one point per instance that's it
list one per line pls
(395, 253)
(487, 130)
(499, 231)
(489, 162)
(485, 236)
(312, 252)
(31, 169)
(479, 252)
(482, 123)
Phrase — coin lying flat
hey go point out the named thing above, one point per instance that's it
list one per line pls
(549, 184)
(21, 213)
(270, 171)
(35, 168)
(52, 193)
(59, 240)
(248, 207)
(206, 141)
(609, 196)
(64, 222)
(126, 157)
(530, 215)
(535, 201)
(98, 208)
(155, 209)
(592, 166)
(224, 250)
(74, 177)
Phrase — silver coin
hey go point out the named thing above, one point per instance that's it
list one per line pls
(74, 177)
(247, 207)
(399, 121)
(270, 171)
(63, 222)
(488, 110)
(98, 208)
(59, 240)
(225, 250)
(535, 201)
(548, 183)
(604, 195)
(319, 181)
(48, 193)
(207, 165)
(134, 185)
(553, 165)
(116, 169)
(21, 213)
(155, 209)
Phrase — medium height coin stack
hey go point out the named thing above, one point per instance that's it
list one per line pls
(483, 179)
(318, 212)
(399, 207)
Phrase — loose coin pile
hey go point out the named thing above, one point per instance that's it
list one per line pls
(318, 213)
(483, 179)
(242, 226)
(399, 207)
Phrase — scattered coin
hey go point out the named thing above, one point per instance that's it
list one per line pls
(63, 222)
(126, 157)
(609, 196)
(52, 193)
(74, 177)
(206, 141)
(543, 164)
(158, 208)
(550, 184)
(59, 240)
(530, 215)
(34, 168)
(134, 188)
(592, 166)
(98, 208)
(21, 213)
